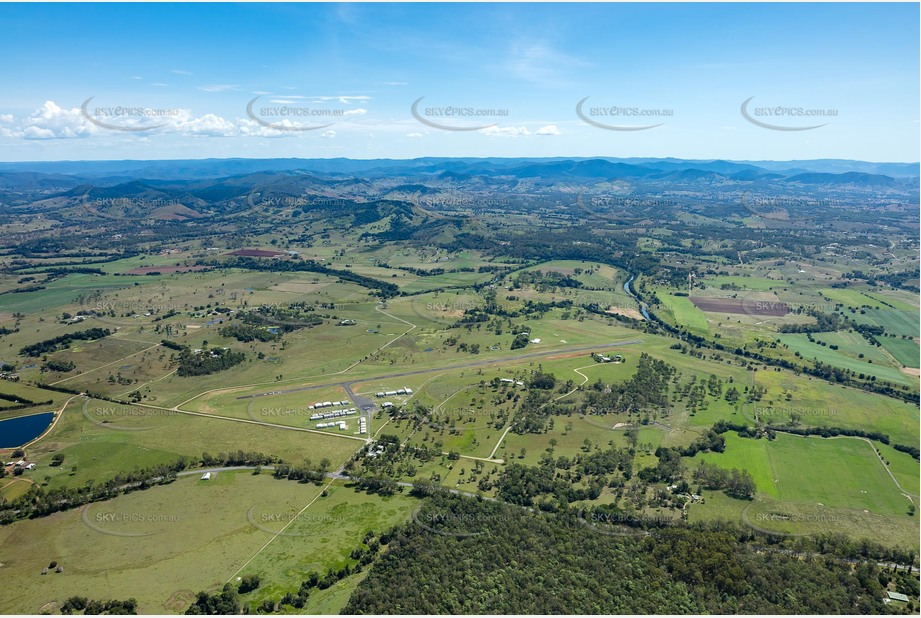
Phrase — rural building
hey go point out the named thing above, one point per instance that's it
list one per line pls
(897, 596)
(206, 476)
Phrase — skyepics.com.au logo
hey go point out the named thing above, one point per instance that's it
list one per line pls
(786, 207)
(292, 523)
(460, 525)
(458, 419)
(445, 309)
(123, 417)
(133, 208)
(787, 414)
(130, 118)
(780, 115)
(258, 201)
(622, 523)
(118, 313)
(282, 115)
(766, 306)
(339, 414)
(456, 117)
(623, 421)
(466, 202)
(790, 519)
(128, 524)
(622, 203)
(610, 114)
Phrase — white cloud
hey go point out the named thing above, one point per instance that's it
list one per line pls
(414, 135)
(51, 121)
(251, 128)
(207, 125)
(160, 85)
(396, 83)
(344, 99)
(218, 87)
(356, 112)
(550, 129)
(505, 131)
(180, 72)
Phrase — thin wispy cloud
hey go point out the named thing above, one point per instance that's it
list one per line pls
(219, 87)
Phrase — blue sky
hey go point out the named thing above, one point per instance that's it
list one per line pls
(339, 80)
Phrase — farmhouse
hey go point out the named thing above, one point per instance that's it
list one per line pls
(206, 476)
(897, 596)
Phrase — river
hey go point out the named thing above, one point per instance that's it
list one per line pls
(642, 305)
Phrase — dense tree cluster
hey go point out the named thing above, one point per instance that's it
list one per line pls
(479, 557)
(382, 288)
(224, 602)
(62, 341)
(559, 482)
(246, 333)
(205, 362)
(735, 483)
(91, 607)
(647, 390)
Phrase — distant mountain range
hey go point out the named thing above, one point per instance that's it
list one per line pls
(591, 167)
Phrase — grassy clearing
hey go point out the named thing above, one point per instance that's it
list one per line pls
(685, 313)
(318, 539)
(813, 351)
(199, 533)
(797, 469)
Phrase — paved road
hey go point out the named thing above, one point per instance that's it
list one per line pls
(347, 384)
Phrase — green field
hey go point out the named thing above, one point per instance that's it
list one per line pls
(839, 358)
(795, 470)
(685, 313)
(163, 545)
